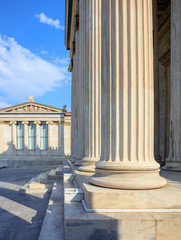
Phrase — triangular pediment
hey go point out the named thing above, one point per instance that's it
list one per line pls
(31, 107)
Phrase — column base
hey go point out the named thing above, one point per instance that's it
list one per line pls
(78, 161)
(87, 168)
(138, 180)
(72, 159)
(172, 164)
(88, 164)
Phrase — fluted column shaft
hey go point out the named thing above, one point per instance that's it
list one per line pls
(92, 84)
(156, 86)
(49, 138)
(37, 123)
(25, 137)
(14, 136)
(174, 159)
(78, 119)
(81, 47)
(73, 116)
(127, 159)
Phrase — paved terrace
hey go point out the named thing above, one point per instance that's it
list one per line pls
(21, 214)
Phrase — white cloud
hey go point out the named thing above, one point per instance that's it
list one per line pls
(65, 60)
(22, 73)
(44, 19)
(44, 52)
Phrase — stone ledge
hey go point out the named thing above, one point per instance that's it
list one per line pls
(120, 226)
(95, 197)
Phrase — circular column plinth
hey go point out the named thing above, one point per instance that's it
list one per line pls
(88, 164)
(138, 180)
(78, 161)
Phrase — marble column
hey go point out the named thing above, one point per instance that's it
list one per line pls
(37, 123)
(49, 137)
(81, 48)
(25, 123)
(14, 123)
(77, 103)
(174, 159)
(127, 97)
(72, 157)
(92, 88)
(157, 155)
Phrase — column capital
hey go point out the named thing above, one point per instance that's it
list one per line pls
(49, 122)
(13, 122)
(37, 122)
(25, 122)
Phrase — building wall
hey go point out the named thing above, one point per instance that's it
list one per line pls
(58, 143)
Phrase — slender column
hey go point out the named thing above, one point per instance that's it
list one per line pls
(127, 158)
(77, 102)
(92, 85)
(37, 137)
(81, 47)
(25, 123)
(174, 159)
(49, 137)
(72, 158)
(80, 66)
(13, 123)
(158, 158)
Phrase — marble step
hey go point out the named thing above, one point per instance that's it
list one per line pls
(73, 194)
(53, 176)
(59, 170)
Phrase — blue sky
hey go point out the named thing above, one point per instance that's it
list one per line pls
(33, 58)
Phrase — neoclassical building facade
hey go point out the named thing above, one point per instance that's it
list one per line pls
(34, 133)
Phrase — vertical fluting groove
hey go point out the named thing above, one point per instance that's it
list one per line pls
(149, 83)
(137, 85)
(139, 80)
(144, 72)
(99, 77)
(103, 140)
(133, 82)
(94, 87)
(117, 86)
(87, 81)
(152, 86)
(129, 80)
(90, 73)
(96, 79)
(110, 83)
(112, 122)
(120, 99)
(89, 90)
(125, 83)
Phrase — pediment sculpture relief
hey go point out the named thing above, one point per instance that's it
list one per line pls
(31, 108)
